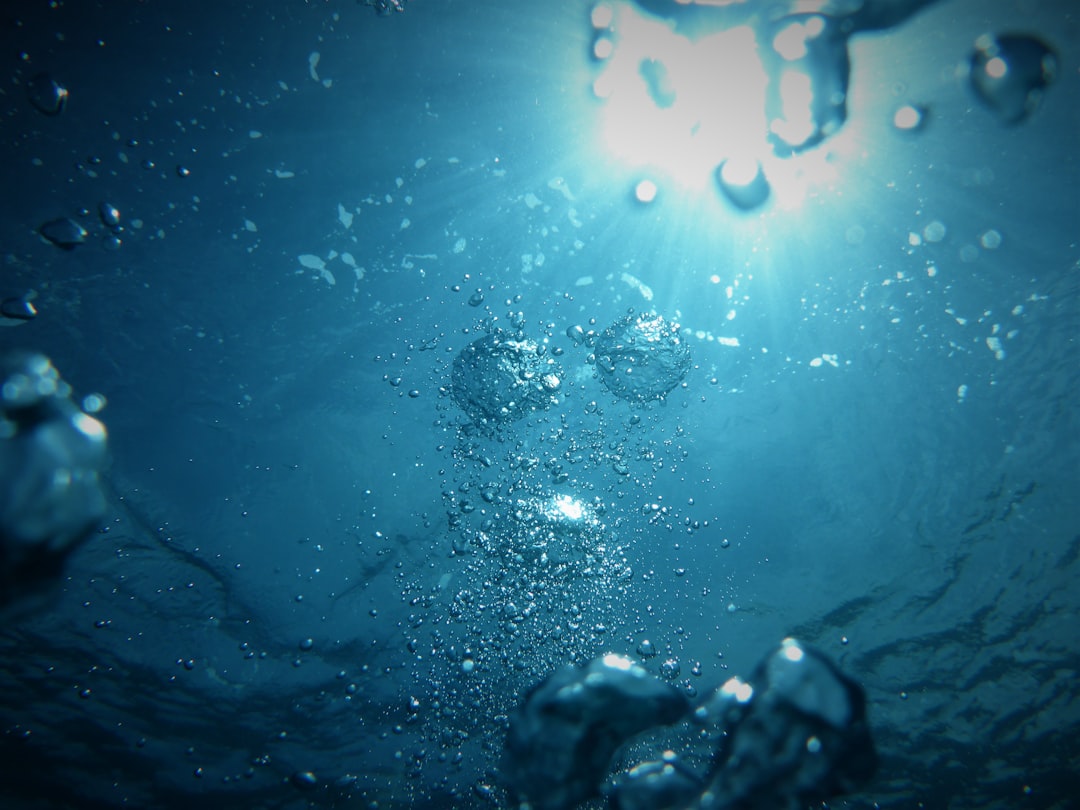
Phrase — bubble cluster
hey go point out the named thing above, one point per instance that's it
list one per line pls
(501, 377)
(556, 532)
(641, 357)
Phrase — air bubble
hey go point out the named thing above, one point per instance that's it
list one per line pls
(1010, 74)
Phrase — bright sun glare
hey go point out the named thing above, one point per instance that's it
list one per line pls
(694, 111)
(680, 105)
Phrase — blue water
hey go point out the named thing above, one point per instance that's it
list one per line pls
(880, 418)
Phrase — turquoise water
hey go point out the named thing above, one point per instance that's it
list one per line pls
(314, 560)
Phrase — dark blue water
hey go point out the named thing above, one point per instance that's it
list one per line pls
(876, 448)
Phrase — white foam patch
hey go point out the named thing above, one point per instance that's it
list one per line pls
(559, 184)
(345, 217)
(831, 359)
(633, 281)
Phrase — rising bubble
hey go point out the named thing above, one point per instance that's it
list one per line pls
(641, 357)
(46, 94)
(64, 233)
(1010, 73)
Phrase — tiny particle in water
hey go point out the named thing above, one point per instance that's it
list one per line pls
(934, 231)
(304, 780)
(991, 240)
(183, 171)
(414, 394)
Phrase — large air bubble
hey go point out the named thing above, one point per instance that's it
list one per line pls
(64, 233)
(47, 94)
(806, 99)
(1010, 73)
(502, 377)
(642, 357)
